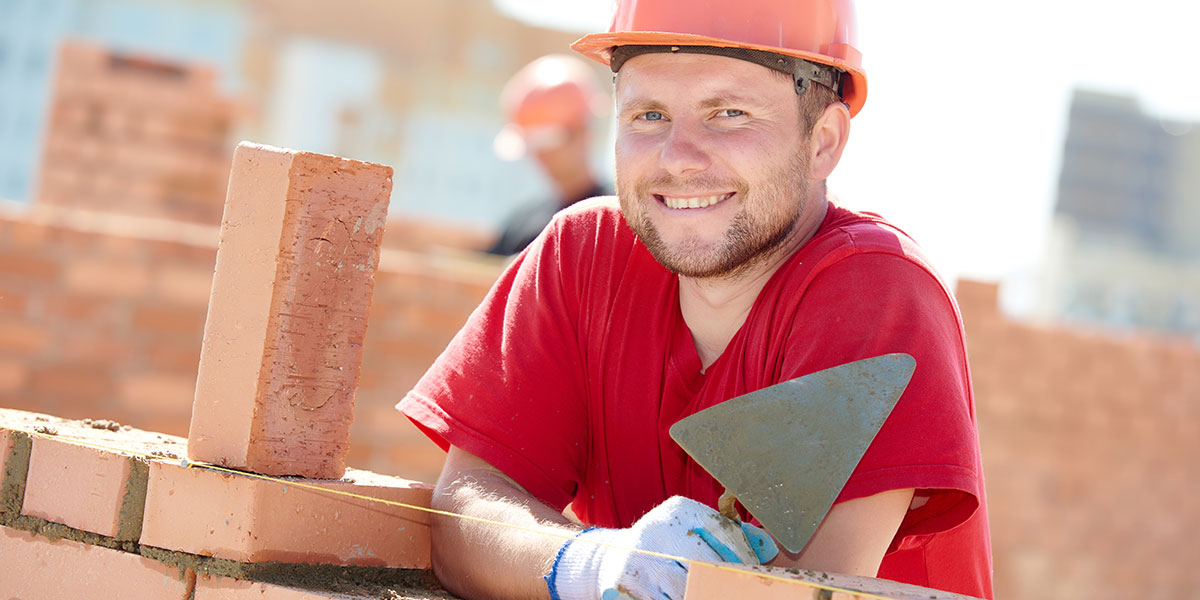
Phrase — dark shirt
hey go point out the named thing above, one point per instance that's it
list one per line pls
(528, 221)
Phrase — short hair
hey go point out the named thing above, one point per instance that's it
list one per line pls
(812, 102)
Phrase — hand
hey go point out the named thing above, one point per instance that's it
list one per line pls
(607, 560)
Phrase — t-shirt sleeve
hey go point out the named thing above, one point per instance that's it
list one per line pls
(507, 387)
(876, 303)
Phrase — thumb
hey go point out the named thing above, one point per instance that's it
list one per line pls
(725, 552)
(761, 542)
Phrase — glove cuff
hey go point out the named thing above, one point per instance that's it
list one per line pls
(573, 576)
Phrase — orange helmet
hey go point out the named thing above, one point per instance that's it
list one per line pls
(821, 32)
(545, 100)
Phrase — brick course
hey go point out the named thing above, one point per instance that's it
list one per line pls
(91, 477)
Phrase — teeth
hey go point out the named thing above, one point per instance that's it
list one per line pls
(694, 202)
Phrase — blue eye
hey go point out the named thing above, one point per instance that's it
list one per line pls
(653, 116)
(732, 112)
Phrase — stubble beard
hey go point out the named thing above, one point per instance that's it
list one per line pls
(752, 238)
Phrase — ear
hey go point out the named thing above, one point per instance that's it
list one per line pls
(828, 140)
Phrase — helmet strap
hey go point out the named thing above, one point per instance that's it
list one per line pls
(803, 72)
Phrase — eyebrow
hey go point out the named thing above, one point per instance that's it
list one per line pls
(718, 101)
(727, 100)
(642, 105)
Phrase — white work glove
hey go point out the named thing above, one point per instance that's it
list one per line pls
(601, 561)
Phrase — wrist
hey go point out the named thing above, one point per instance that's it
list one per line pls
(574, 573)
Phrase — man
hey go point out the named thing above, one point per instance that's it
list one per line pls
(727, 268)
(550, 105)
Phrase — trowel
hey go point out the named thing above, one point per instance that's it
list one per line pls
(785, 451)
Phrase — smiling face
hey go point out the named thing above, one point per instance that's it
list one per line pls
(712, 162)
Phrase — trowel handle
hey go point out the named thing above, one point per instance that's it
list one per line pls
(726, 505)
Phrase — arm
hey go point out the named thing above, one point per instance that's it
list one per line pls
(853, 537)
(480, 560)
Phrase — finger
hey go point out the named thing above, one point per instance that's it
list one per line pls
(761, 542)
(725, 552)
(674, 586)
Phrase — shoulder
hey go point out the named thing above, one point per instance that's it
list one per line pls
(852, 232)
(847, 237)
(595, 223)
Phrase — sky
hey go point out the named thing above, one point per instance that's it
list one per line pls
(960, 140)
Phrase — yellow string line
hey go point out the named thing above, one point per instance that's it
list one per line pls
(188, 464)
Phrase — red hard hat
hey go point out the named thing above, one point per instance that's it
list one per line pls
(546, 98)
(819, 31)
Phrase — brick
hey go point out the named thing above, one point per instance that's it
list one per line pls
(723, 581)
(169, 320)
(106, 279)
(22, 338)
(254, 520)
(282, 347)
(79, 308)
(414, 586)
(177, 357)
(13, 302)
(36, 568)
(84, 487)
(13, 375)
(225, 588)
(157, 392)
(80, 345)
(184, 285)
(21, 266)
(89, 475)
(79, 383)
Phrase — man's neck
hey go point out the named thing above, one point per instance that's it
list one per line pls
(714, 309)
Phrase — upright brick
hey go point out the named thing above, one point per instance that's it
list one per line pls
(283, 342)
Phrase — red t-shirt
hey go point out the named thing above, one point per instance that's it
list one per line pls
(569, 374)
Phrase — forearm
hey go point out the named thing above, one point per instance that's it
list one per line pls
(474, 559)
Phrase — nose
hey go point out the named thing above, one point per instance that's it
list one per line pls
(684, 151)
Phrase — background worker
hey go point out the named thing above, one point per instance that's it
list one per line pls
(727, 267)
(550, 106)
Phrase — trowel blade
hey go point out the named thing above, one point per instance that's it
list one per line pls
(786, 450)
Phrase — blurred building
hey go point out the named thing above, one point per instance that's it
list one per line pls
(137, 136)
(409, 83)
(207, 31)
(1125, 245)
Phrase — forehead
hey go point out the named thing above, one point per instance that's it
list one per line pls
(663, 75)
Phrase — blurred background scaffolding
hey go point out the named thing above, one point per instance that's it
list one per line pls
(1046, 154)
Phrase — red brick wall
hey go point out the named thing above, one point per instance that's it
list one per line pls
(102, 316)
(1090, 443)
(102, 320)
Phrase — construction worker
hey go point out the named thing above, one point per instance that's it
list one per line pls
(550, 106)
(724, 266)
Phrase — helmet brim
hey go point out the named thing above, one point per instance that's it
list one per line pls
(598, 47)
